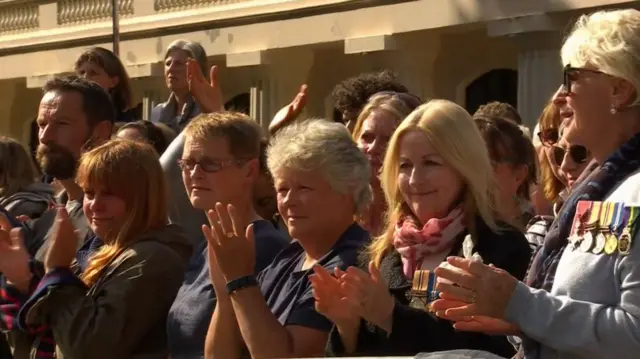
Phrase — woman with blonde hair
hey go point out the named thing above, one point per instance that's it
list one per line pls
(21, 192)
(580, 299)
(552, 184)
(112, 300)
(439, 184)
(373, 129)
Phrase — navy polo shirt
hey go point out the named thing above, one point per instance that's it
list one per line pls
(190, 314)
(286, 286)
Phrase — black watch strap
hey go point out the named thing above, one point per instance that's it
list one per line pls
(241, 283)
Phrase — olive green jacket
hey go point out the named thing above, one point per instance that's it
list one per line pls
(123, 315)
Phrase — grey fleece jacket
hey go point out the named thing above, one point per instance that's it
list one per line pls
(181, 211)
(593, 310)
(32, 201)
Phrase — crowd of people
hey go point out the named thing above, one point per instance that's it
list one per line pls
(400, 227)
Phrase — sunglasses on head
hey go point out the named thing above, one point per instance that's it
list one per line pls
(578, 154)
(549, 137)
(572, 73)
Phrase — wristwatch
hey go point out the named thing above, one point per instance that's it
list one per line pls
(241, 283)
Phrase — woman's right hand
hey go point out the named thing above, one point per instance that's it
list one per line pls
(208, 94)
(332, 299)
(290, 112)
(15, 259)
(215, 273)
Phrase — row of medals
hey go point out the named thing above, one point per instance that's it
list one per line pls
(598, 241)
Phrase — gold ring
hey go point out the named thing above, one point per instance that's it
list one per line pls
(472, 297)
(229, 235)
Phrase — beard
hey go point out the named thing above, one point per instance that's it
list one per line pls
(56, 161)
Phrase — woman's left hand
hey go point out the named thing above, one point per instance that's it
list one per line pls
(373, 292)
(485, 290)
(233, 243)
(475, 323)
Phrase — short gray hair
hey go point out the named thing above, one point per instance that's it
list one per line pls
(193, 49)
(326, 147)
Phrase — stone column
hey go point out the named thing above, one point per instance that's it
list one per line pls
(539, 75)
(538, 38)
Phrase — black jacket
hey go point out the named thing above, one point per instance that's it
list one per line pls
(414, 330)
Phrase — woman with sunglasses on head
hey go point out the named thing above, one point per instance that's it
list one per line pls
(514, 166)
(372, 132)
(580, 299)
(552, 183)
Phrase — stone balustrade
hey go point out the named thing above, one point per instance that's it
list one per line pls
(84, 11)
(18, 17)
(172, 5)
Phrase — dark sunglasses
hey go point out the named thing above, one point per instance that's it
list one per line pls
(577, 153)
(572, 73)
(549, 137)
(208, 165)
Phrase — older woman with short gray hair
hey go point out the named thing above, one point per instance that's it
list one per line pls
(322, 182)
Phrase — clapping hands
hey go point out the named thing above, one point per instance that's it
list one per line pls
(64, 242)
(15, 259)
(353, 294)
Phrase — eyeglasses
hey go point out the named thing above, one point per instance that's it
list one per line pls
(208, 165)
(549, 137)
(572, 73)
(577, 153)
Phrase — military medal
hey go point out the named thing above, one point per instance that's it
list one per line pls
(588, 239)
(603, 227)
(423, 291)
(582, 212)
(611, 244)
(626, 238)
(587, 242)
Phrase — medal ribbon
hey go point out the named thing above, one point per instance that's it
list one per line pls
(582, 211)
(633, 218)
(596, 208)
(618, 219)
(606, 216)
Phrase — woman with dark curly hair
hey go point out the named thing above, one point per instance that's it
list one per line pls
(352, 94)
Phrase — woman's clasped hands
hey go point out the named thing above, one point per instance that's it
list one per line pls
(474, 296)
(349, 295)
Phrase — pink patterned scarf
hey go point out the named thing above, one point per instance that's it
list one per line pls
(436, 236)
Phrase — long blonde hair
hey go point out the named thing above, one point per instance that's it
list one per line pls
(453, 134)
(17, 169)
(132, 171)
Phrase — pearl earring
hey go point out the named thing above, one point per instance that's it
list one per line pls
(613, 110)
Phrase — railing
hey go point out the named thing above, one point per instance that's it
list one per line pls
(19, 17)
(83, 11)
(172, 5)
